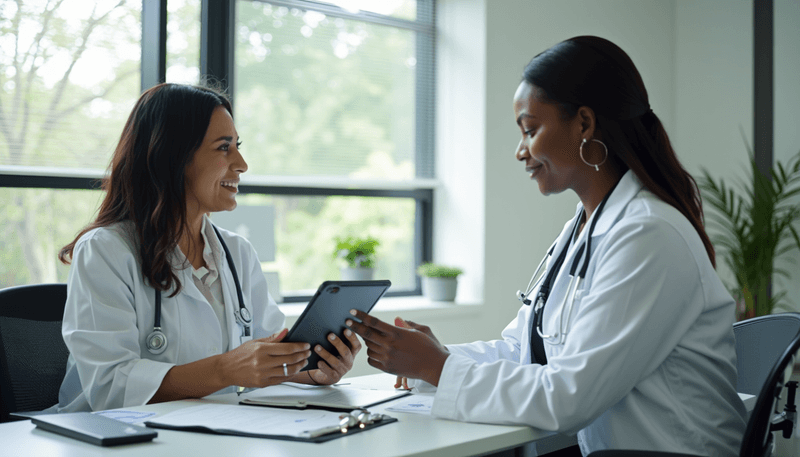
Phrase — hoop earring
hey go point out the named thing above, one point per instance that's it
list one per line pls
(595, 165)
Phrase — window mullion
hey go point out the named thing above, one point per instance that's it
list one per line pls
(217, 43)
(154, 43)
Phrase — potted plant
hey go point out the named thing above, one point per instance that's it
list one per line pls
(754, 224)
(359, 255)
(439, 282)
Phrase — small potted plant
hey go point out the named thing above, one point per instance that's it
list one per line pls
(439, 282)
(359, 255)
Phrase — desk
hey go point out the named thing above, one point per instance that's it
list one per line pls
(412, 435)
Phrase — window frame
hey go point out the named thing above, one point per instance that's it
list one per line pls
(217, 41)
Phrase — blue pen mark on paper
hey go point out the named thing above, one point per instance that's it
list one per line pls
(299, 420)
(419, 404)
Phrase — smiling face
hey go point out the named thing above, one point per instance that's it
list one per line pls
(212, 177)
(550, 143)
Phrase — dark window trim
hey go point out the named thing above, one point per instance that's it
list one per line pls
(763, 84)
(154, 43)
(217, 35)
(763, 91)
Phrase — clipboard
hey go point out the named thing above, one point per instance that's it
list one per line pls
(331, 435)
(222, 419)
(331, 398)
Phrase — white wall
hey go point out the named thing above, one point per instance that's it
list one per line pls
(714, 90)
(787, 113)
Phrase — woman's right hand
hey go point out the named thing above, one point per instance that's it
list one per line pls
(259, 363)
(402, 381)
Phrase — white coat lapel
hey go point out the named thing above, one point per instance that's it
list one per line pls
(627, 188)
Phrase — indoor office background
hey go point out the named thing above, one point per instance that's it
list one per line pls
(393, 120)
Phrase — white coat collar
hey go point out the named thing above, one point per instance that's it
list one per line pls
(627, 188)
(186, 269)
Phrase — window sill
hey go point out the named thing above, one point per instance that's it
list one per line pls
(411, 307)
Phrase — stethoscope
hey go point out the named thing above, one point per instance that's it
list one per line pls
(575, 280)
(157, 340)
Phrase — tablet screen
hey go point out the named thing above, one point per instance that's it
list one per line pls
(329, 308)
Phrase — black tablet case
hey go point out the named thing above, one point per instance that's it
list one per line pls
(93, 428)
(329, 308)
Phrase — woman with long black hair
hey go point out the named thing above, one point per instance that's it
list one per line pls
(626, 335)
(161, 304)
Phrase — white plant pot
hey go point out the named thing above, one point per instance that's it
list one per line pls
(439, 289)
(357, 274)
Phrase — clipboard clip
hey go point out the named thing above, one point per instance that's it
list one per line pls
(356, 419)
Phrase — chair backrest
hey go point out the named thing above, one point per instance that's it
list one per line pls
(33, 356)
(757, 440)
(760, 341)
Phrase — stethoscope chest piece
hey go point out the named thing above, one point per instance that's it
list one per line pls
(156, 341)
(243, 316)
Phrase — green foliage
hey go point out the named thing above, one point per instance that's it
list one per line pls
(434, 270)
(319, 95)
(755, 225)
(357, 252)
(299, 105)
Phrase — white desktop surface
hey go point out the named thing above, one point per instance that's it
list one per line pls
(411, 435)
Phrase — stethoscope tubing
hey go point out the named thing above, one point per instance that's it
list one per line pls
(574, 279)
(157, 341)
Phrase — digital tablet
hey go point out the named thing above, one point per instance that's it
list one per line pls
(329, 308)
(93, 428)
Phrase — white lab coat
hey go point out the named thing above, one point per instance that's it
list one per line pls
(649, 360)
(110, 312)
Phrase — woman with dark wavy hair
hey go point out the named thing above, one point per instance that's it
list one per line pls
(626, 337)
(161, 304)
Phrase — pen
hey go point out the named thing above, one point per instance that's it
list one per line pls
(242, 390)
(325, 431)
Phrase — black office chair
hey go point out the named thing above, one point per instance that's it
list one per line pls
(765, 348)
(33, 359)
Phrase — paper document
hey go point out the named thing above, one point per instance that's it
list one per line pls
(344, 398)
(420, 404)
(129, 417)
(238, 420)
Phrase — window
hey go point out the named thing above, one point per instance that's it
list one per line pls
(69, 75)
(333, 101)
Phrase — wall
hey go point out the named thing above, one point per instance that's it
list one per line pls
(787, 116)
(714, 90)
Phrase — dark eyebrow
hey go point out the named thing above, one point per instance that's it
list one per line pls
(519, 118)
(226, 138)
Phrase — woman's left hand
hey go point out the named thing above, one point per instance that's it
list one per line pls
(410, 352)
(331, 368)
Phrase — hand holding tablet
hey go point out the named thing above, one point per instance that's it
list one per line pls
(329, 308)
